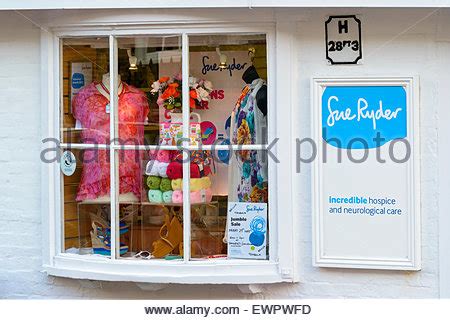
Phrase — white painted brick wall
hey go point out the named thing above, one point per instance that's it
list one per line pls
(391, 47)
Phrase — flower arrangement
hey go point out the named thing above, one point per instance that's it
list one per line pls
(169, 93)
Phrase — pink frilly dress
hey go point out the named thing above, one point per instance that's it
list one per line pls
(91, 109)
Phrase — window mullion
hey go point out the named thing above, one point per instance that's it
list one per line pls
(186, 156)
(58, 125)
(113, 71)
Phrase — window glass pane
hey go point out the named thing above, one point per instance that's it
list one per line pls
(230, 213)
(228, 88)
(85, 201)
(151, 186)
(229, 99)
(84, 112)
(149, 90)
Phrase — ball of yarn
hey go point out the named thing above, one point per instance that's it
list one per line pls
(166, 185)
(153, 182)
(195, 171)
(177, 184)
(162, 169)
(152, 168)
(174, 170)
(200, 183)
(167, 196)
(155, 196)
(163, 156)
(177, 196)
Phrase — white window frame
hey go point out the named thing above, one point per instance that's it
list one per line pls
(282, 263)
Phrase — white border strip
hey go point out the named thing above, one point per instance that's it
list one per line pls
(169, 4)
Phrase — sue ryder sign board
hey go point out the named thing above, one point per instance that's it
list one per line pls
(366, 211)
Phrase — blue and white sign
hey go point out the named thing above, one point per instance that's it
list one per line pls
(81, 76)
(247, 230)
(77, 80)
(366, 173)
(68, 163)
(363, 117)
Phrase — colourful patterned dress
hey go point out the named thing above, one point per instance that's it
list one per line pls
(91, 109)
(249, 182)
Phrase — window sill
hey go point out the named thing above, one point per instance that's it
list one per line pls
(196, 272)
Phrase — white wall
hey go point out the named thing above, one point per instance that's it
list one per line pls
(396, 42)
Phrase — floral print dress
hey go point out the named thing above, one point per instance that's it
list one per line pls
(91, 108)
(249, 182)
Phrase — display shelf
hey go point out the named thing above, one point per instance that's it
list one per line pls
(147, 203)
(151, 127)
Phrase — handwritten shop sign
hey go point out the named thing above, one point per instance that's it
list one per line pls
(208, 66)
(366, 176)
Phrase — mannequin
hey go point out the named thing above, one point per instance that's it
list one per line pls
(91, 108)
(261, 97)
(101, 88)
(247, 170)
(106, 82)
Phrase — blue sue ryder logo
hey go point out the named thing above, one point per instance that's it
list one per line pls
(77, 80)
(356, 117)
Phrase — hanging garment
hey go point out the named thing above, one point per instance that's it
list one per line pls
(248, 169)
(91, 108)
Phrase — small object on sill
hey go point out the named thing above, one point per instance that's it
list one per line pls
(73, 250)
(217, 256)
(145, 255)
(212, 257)
(173, 257)
(83, 251)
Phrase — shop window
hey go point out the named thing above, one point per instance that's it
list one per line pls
(167, 145)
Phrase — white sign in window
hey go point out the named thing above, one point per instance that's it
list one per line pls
(366, 175)
(247, 230)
